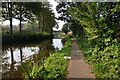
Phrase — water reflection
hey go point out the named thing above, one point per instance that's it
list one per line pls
(13, 56)
(57, 43)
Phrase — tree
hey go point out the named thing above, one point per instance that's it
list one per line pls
(76, 28)
(23, 13)
(99, 21)
(43, 14)
(31, 12)
(37, 9)
(15, 10)
(63, 9)
(7, 13)
(65, 28)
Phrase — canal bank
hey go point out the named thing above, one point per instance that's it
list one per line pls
(16, 38)
(54, 67)
(15, 55)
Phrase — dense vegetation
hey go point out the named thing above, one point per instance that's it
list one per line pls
(52, 68)
(65, 28)
(98, 25)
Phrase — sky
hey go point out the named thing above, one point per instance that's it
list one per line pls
(54, 4)
(60, 23)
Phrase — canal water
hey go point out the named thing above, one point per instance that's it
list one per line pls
(14, 55)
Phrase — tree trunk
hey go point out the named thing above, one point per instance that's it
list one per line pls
(43, 25)
(10, 15)
(39, 25)
(12, 59)
(20, 27)
(20, 20)
(11, 27)
(51, 31)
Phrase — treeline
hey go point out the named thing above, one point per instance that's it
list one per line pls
(37, 12)
(99, 24)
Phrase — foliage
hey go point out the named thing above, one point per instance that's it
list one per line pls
(54, 67)
(105, 63)
(7, 11)
(76, 28)
(30, 70)
(101, 28)
(38, 12)
(43, 14)
(65, 28)
(63, 9)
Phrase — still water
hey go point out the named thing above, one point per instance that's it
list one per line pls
(14, 55)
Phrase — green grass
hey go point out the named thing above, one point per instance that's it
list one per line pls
(54, 67)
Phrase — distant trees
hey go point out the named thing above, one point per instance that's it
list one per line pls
(36, 8)
(43, 15)
(63, 9)
(39, 12)
(22, 14)
(76, 28)
(65, 28)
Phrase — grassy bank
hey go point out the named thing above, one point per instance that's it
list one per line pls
(85, 47)
(54, 67)
(24, 38)
(104, 62)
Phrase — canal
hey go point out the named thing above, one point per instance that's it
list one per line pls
(14, 55)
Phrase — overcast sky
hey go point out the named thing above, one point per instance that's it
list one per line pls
(54, 4)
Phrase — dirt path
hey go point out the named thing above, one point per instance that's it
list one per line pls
(77, 67)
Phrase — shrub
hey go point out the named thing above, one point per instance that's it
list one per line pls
(105, 61)
(54, 67)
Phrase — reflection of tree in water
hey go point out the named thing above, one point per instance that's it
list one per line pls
(12, 59)
(12, 72)
(43, 51)
(5, 62)
(21, 54)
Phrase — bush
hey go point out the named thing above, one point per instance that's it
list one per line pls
(104, 61)
(54, 67)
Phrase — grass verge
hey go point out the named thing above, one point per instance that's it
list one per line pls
(54, 67)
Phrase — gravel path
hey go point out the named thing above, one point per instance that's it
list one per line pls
(77, 67)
